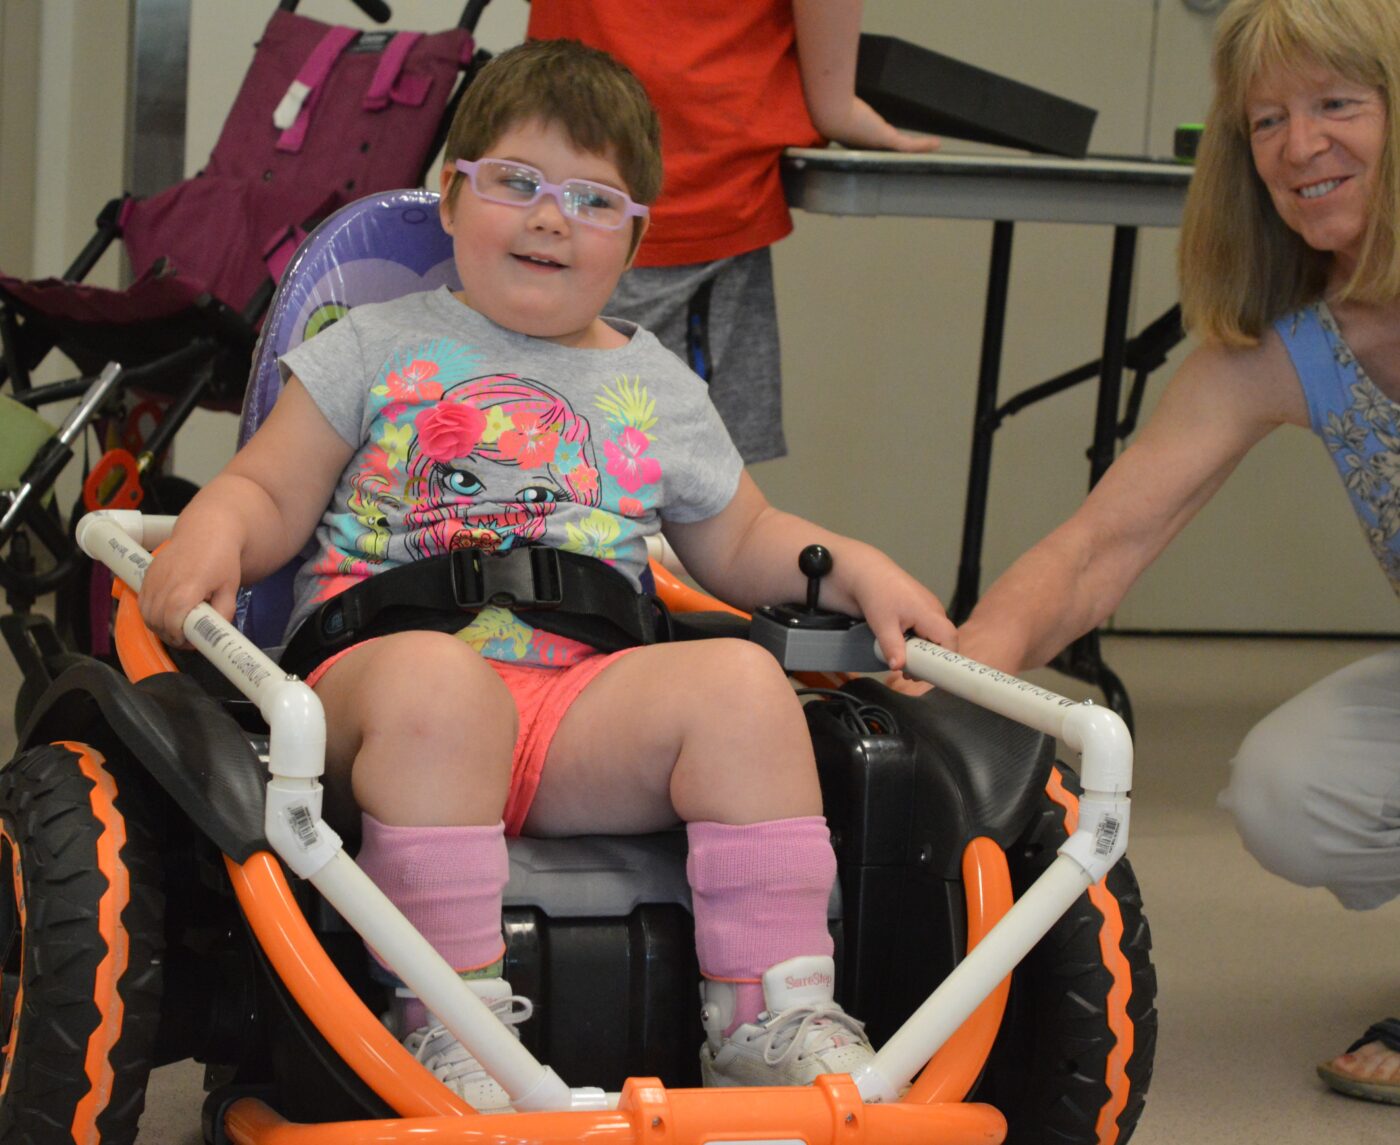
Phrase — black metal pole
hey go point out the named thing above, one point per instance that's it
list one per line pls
(983, 424)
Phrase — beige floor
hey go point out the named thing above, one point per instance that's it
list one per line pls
(1258, 978)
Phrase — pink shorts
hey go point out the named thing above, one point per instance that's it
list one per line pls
(542, 696)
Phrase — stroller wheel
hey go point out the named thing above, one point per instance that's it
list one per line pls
(81, 938)
(1072, 1063)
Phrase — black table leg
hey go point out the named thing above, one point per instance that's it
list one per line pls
(1083, 659)
(983, 425)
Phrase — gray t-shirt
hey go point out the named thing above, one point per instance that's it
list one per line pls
(470, 435)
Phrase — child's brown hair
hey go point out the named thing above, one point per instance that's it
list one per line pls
(601, 106)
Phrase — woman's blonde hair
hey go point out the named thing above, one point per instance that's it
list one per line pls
(1240, 265)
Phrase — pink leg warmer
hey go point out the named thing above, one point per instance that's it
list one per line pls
(760, 894)
(448, 881)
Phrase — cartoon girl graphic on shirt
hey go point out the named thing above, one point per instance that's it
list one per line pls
(490, 463)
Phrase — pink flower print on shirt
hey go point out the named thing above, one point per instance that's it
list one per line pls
(631, 507)
(414, 383)
(449, 431)
(626, 463)
(529, 444)
(410, 386)
(582, 481)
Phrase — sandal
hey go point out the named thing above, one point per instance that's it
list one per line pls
(1387, 1033)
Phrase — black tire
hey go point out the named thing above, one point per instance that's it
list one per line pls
(81, 995)
(1053, 1071)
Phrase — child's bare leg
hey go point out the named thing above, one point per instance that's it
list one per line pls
(696, 731)
(421, 734)
(710, 732)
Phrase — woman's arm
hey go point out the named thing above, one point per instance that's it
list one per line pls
(1220, 404)
(747, 555)
(828, 37)
(250, 519)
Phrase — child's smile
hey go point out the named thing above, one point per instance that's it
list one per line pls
(533, 269)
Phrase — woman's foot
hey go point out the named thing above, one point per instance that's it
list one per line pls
(1370, 1069)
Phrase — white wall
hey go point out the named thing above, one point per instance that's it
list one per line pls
(881, 318)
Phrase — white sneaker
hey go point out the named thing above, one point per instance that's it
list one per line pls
(448, 1060)
(802, 1034)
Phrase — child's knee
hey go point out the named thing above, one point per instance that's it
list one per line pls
(430, 685)
(741, 675)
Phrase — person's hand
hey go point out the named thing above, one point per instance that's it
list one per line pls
(188, 571)
(893, 603)
(857, 124)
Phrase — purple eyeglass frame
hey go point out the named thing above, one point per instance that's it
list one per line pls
(555, 190)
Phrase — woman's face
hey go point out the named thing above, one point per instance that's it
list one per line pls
(1317, 141)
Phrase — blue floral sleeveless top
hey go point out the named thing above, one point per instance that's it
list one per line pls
(1357, 422)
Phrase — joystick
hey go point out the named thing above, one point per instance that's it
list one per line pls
(814, 562)
(808, 637)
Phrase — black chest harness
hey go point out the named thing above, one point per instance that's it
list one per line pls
(566, 593)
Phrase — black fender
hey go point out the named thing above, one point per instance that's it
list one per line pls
(178, 733)
(948, 773)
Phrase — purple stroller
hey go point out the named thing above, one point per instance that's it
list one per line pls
(325, 115)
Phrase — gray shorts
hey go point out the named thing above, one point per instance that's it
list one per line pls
(729, 338)
(1315, 788)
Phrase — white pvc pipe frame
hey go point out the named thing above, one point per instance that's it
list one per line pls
(293, 825)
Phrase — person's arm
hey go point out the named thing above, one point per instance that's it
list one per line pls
(250, 519)
(828, 36)
(1213, 412)
(747, 555)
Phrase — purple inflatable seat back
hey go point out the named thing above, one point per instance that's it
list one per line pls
(374, 250)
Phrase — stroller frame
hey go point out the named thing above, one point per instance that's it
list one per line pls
(867, 1107)
(205, 350)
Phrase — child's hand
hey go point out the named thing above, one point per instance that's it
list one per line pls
(187, 572)
(893, 603)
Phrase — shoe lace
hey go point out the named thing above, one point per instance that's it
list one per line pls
(449, 1059)
(809, 1029)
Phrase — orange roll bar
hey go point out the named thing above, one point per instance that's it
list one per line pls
(325, 997)
(954, 1069)
(828, 1112)
(678, 596)
(140, 652)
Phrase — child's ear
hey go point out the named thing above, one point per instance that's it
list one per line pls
(637, 236)
(444, 208)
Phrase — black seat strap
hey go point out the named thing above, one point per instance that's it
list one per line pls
(566, 593)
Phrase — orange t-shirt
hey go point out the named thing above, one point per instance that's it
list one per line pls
(723, 76)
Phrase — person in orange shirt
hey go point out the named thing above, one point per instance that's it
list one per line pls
(734, 84)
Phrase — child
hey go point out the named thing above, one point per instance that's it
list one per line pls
(509, 414)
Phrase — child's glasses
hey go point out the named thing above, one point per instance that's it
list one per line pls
(519, 185)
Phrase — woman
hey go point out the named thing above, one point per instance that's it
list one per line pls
(1290, 276)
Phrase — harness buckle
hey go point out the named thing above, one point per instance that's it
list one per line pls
(527, 577)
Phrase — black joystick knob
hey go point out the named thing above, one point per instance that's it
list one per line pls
(814, 562)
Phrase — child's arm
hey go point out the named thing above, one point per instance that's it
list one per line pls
(252, 518)
(828, 36)
(747, 554)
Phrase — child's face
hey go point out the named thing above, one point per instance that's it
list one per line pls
(534, 269)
